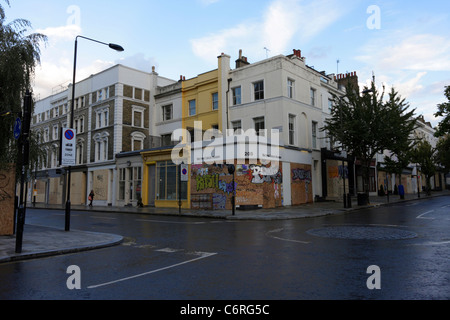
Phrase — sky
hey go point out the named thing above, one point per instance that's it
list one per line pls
(404, 44)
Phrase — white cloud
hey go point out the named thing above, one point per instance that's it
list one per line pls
(64, 33)
(283, 21)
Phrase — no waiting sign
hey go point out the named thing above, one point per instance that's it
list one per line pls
(184, 172)
(68, 147)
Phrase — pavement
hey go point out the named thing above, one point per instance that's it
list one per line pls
(42, 241)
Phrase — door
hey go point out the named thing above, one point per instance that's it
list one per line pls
(151, 185)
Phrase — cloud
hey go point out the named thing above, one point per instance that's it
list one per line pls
(417, 52)
(62, 33)
(282, 22)
(138, 61)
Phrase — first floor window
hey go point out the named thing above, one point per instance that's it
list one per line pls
(215, 101)
(258, 88)
(192, 108)
(291, 129)
(314, 135)
(236, 96)
(237, 126)
(259, 126)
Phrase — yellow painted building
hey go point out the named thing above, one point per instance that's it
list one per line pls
(201, 104)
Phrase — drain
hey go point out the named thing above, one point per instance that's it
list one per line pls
(362, 233)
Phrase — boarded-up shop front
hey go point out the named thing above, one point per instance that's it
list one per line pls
(256, 185)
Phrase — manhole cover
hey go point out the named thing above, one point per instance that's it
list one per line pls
(362, 233)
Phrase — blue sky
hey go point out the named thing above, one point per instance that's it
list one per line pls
(405, 43)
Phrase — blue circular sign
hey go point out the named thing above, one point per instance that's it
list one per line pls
(17, 128)
(69, 134)
(184, 172)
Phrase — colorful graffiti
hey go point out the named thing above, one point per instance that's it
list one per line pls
(219, 201)
(207, 181)
(301, 174)
(260, 174)
(227, 187)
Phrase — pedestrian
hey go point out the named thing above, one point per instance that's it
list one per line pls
(91, 198)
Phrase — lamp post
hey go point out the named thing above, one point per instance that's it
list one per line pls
(114, 47)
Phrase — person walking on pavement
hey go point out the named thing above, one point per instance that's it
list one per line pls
(91, 198)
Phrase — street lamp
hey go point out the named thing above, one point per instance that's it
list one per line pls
(112, 46)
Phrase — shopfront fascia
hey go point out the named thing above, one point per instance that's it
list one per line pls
(161, 185)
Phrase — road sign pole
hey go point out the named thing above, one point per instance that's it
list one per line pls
(24, 148)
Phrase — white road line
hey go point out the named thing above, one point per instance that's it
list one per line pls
(269, 234)
(204, 256)
(421, 216)
(171, 222)
(104, 218)
(430, 243)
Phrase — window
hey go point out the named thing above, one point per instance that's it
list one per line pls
(122, 179)
(55, 132)
(236, 96)
(168, 179)
(79, 125)
(102, 118)
(138, 116)
(101, 146)
(313, 96)
(166, 140)
(192, 108)
(137, 141)
(167, 112)
(290, 88)
(103, 94)
(80, 153)
(330, 105)
(215, 101)
(291, 129)
(46, 135)
(258, 88)
(54, 159)
(259, 126)
(135, 183)
(314, 135)
(237, 126)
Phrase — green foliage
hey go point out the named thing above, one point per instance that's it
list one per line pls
(443, 152)
(368, 124)
(19, 55)
(425, 155)
(444, 111)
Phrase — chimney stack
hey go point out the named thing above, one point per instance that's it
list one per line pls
(242, 61)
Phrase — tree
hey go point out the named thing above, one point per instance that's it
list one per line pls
(443, 152)
(444, 111)
(424, 155)
(19, 55)
(367, 125)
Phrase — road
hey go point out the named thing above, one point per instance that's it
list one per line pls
(176, 258)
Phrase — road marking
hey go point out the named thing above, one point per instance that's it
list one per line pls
(204, 255)
(171, 222)
(269, 234)
(430, 243)
(104, 218)
(421, 216)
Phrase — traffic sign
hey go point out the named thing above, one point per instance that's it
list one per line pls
(68, 147)
(184, 172)
(17, 128)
